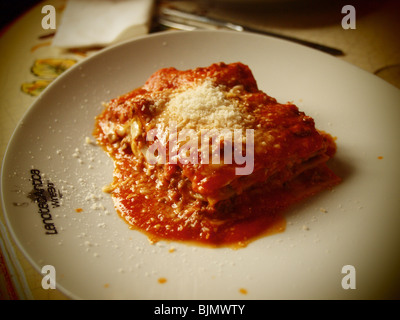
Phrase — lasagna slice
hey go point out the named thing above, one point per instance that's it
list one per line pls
(205, 146)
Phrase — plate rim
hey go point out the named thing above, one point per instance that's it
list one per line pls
(37, 102)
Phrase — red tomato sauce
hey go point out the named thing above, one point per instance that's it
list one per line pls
(255, 213)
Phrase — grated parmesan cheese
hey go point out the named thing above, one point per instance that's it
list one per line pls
(203, 106)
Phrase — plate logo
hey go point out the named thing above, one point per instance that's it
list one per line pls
(47, 197)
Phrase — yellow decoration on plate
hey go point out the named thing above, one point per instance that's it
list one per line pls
(36, 87)
(51, 68)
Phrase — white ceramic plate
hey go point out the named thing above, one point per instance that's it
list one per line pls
(96, 255)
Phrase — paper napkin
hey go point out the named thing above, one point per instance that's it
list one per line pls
(88, 23)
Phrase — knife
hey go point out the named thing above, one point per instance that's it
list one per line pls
(188, 21)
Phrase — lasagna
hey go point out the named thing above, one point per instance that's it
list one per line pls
(203, 155)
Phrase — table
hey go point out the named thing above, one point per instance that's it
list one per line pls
(372, 46)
